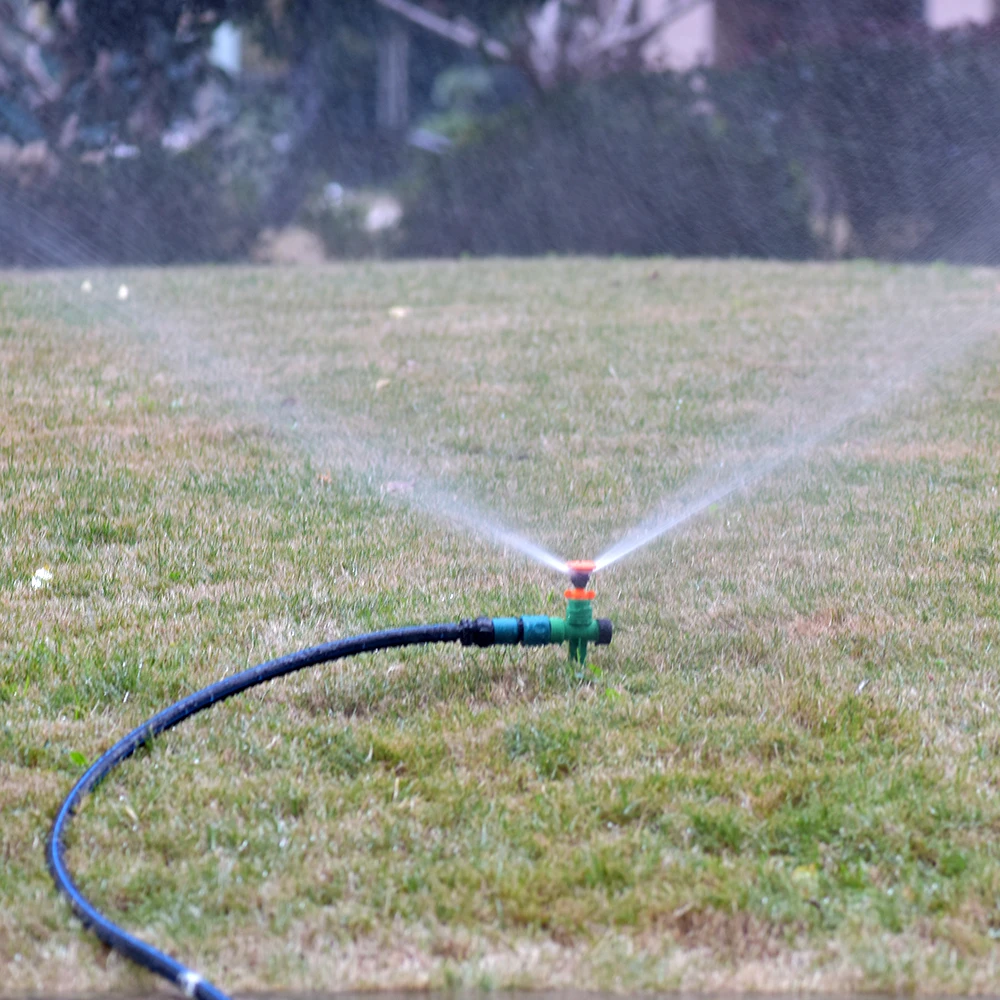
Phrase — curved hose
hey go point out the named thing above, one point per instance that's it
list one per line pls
(478, 632)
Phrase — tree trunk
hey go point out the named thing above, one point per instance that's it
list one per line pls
(393, 103)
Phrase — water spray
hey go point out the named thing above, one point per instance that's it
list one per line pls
(578, 629)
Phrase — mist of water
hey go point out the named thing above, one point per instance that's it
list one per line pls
(701, 495)
(673, 514)
(434, 501)
(327, 437)
(324, 435)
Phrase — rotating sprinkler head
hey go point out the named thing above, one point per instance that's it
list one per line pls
(580, 571)
(581, 627)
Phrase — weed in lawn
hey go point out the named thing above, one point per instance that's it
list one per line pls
(553, 750)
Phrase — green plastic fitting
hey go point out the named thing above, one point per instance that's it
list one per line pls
(578, 628)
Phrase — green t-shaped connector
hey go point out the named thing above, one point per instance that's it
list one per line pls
(578, 628)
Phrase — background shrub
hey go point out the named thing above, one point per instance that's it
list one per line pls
(643, 165)
(877, 150)
(904, 142)
(157, 208)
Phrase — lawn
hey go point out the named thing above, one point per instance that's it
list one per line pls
(782, 774)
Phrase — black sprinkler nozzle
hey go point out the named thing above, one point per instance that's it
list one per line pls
(580, 571)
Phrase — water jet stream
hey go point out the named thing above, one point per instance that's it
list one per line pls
(347, 448)
(791, 449)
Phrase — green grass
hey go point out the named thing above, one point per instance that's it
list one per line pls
(783, 774)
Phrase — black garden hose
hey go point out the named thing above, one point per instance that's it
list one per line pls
(478, 632)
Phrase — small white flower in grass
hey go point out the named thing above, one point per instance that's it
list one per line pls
(43, 575)
(399, 312)
(122, 293)
(86, 287)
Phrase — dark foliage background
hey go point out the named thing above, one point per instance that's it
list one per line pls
(896, 145)
(840, 135)
(645, 165)
(905, 141)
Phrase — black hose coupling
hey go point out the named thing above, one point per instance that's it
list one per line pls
(477, 632)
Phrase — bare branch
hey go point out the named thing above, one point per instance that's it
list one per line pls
(456, 31)
(562, 39)
(618, 18)
(545, 48)
(633, 34)
(36, 69)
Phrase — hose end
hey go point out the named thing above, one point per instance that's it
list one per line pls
(605, 630)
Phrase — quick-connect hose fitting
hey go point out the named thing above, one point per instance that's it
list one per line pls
(476, 632)
(528, 630)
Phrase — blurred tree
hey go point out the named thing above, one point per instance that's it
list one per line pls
(331, 51)
(111, 79)
(96, 99)
(354, 79)
(553, 42)
(90, 74)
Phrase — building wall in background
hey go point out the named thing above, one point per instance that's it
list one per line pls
(728, 32)
(952, 13)
(685, 43)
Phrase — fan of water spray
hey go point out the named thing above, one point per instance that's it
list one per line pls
(450, 508)
(353, 450)
(701, 496)
(323, 435)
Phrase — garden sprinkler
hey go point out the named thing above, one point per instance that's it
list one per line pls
(578, 628)
(581, 625)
